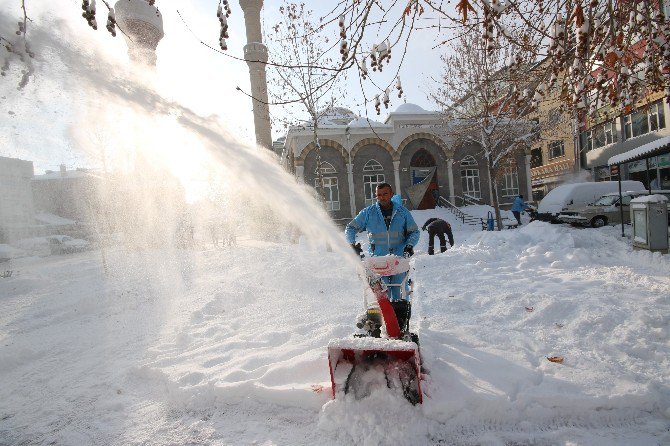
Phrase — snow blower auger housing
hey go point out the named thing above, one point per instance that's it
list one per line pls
(378, 358)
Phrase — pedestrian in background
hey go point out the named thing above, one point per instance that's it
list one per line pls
(438, 227)
(518, 207)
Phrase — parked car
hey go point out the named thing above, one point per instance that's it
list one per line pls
(64, 244)
(605, 211)
(569, 197)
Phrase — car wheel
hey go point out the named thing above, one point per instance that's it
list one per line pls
(598, 222)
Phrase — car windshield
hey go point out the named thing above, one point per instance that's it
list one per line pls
(607, 200)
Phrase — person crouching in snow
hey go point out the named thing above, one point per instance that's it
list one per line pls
(438, 227)
(518, 207)
(391, 230)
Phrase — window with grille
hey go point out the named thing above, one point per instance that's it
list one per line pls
(510, 185)
(331, 192)
(470, 177)
(644, 121)
(601, 135)
(556, 149)
(326, 168)
(372, 166)
(370, 182)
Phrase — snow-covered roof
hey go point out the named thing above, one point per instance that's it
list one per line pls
(364, 122)
(336, 116)
(650, 199)
(58, 175)
(52, 219)
(661, 145)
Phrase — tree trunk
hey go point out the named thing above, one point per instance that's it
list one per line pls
(494, 195)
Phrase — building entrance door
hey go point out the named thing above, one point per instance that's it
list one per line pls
(420, 167)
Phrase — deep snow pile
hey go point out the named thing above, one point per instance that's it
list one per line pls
(215, 346)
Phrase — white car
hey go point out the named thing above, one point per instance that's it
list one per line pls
(605, 211)
(64, 244)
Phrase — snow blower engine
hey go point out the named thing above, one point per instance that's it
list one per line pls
(382, 353)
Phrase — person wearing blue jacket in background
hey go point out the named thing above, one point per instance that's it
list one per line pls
(391, 230)
(518, 207)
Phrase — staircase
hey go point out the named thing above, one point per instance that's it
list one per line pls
(465, 218)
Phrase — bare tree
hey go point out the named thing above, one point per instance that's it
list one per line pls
(617, 51)
(312, 83)
(484, 105)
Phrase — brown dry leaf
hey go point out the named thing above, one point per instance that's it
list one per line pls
(463, 7)
(317, 388)
(530, 309)
(556, 359)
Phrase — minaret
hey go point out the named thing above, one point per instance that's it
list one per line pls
(143, 24)
(256, 55)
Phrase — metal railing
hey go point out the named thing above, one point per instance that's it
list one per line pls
(465, 218)
(468, 200)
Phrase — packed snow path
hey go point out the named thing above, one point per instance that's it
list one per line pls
(229, 346)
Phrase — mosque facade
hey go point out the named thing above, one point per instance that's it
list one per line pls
(410, 150)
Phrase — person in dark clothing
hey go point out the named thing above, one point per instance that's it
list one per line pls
(438, 227)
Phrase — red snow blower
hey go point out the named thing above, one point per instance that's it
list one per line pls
(374, 358)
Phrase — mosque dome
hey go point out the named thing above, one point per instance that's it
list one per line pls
(409, 108)
(336, 116)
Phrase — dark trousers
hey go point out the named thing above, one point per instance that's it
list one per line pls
(517, 215)
(431, 241)
(403, 311)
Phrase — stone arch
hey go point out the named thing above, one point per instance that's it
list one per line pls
(323, 142)
(370, 141)
(429, 136)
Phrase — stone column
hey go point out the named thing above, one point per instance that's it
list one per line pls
(529, 182)
(396, 175)
(450, 176)
(256, 55)
(300, 173)
(352, 199)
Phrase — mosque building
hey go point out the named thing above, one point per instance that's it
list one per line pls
(410, 150)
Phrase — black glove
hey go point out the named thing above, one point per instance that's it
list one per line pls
(357, 248)
(408, 251)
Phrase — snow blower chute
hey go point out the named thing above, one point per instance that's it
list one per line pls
(371, 358)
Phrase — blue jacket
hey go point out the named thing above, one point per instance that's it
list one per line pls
(401, 232)
(518, 205)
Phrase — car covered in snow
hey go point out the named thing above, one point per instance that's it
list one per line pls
(605, 211)
(64, 244)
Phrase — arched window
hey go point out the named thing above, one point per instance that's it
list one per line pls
(331, 190)
(470, 177)
(372, 177)
(469, 161)
(326, 168)
(372, 165)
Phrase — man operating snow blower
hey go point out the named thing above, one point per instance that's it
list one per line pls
(391, 231)
(373, 361)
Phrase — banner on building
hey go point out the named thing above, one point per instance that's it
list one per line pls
(416, 191)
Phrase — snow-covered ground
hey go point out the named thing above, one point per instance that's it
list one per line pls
(228, 346)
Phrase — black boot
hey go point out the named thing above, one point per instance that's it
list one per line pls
(443, 248)
(431, 251)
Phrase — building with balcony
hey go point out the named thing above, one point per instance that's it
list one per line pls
(615, 134)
